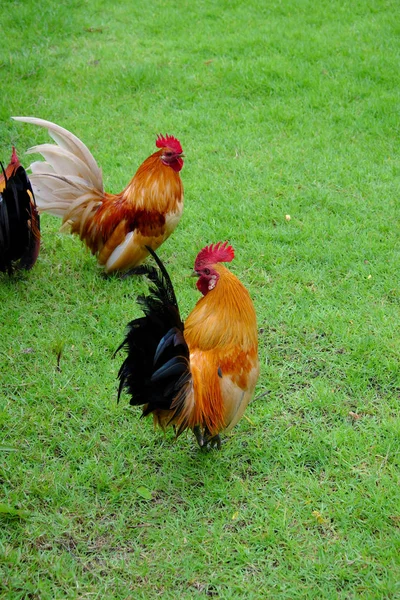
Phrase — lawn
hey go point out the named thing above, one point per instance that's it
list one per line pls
(282, 108)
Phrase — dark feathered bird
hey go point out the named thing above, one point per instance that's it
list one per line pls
(198, 375)
(19, 219)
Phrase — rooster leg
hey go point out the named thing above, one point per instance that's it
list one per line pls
(212, 441)
(118, 275)
(199, 436)
(215, 442)
(105, 275)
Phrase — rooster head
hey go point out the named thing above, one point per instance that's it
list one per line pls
(206, 261)
(171, 151)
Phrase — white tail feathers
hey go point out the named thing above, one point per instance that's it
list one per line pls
(69, 174)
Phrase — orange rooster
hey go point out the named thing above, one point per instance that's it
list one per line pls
(116, 227)
(200, 375)
(19, 219)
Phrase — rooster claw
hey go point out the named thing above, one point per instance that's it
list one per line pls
(205, 441)
(109, 276)
(199, 436)
(215, 442)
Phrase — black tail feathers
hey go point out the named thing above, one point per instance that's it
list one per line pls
(19, 223)
(157, 363)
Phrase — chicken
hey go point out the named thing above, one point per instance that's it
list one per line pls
(116, 227)
(19, 219)
(199, 375)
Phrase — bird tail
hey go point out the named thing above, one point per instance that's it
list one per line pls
(69, 183)
(19, 223)
(156, 369)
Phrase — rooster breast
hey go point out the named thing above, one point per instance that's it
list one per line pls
(221, 333)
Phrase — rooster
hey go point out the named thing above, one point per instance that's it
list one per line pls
(19, 219)
(116, 227)
(199, 375)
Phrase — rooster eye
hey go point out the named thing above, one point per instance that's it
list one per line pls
(168, 153)
(206, 271)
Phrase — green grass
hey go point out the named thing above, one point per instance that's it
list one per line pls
(282, 108)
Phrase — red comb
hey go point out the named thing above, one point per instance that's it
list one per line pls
(14, 157)
(214, 253)
(169, 141)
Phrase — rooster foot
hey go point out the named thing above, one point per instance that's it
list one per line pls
(199, 436)
(140, 270)
(206, 441)
(121, 275)
(215, 442)
(113, 275)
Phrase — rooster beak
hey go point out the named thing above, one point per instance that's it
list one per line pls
(194, 274)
